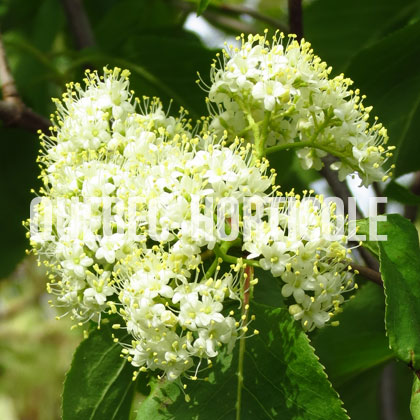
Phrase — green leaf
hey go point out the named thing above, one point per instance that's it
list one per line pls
(415, 399)
(174, 56)
(163, 63)
(361, 38)
(360, 343)
(99, 383)
(30, 53)
(400, 267)
(47, 22)
(370, 395)
(401, 194)
(399, 258)
(165, 56)
(338, 29)
(363, 229)
(403, 387)
(138, 72)
(355, 354)
(397, 105)
(361, 396)
(202, 6)
(123, 19)
(268, 290)
(282, 380)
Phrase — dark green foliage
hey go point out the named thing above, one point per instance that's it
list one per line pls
(399, 257)
(280, 380)
(376, 43)
(99, 383)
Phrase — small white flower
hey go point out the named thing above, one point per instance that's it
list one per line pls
(75, 260)
(108, 246)
(270, 92)
(275, 257)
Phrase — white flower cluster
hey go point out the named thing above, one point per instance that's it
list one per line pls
(104, 157)
(125, 228)
(173, 315)
(307, 250)
(281, 96)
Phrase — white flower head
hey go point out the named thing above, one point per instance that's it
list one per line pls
(289, 90)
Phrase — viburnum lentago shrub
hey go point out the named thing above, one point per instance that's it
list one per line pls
(161, 222)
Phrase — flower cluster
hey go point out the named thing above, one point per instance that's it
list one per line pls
(281, 96)
(307, 250)
(123, 235)
(174, 316)
(133, 219)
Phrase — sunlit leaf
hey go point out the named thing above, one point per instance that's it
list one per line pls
(282, 379)
(99, 383)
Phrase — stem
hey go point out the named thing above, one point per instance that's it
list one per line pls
(249, 271)
(14, 115)
(222, 253)
(264, 134)
(8, 85)
(240, 376)
(288, 146)
(248, 276)
(13, 112)
(367, 272)
(310, 143)
(307, 143)
(258, 140)
(256, 131)
(247, 128)
(212, 268)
